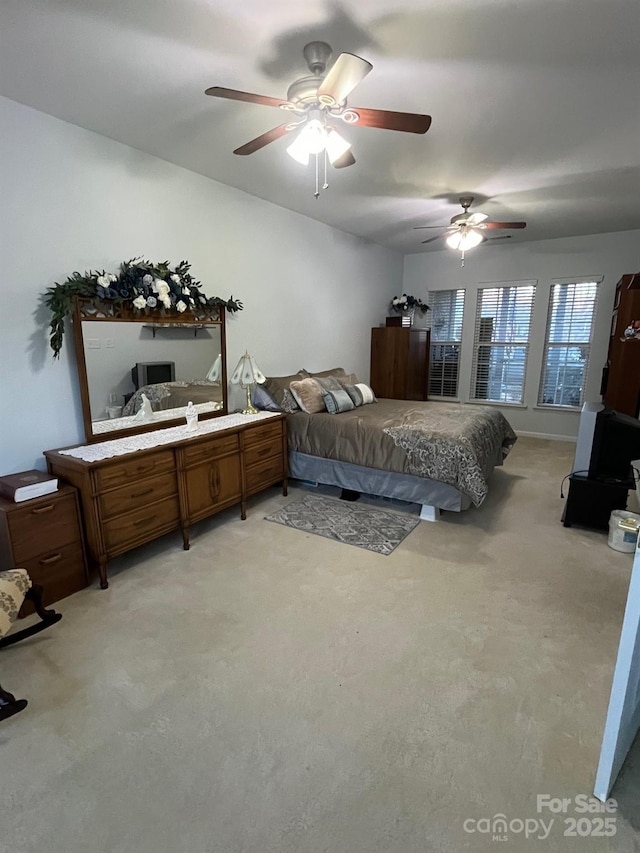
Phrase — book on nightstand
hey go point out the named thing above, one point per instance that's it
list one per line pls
(27, 484)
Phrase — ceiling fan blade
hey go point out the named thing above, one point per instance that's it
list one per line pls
(264, 139)
(422, 227)
(432, 239)
(389, 120)
(347, 159)
(249, 97)
(505, 224)
(476, 218)
(343, 76)
(493, 239)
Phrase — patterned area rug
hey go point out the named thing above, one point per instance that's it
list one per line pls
(362, 525)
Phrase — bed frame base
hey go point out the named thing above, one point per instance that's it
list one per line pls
(429, 513)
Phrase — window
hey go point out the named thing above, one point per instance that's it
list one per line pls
(567, 343)
(501, 342)
(447, 308)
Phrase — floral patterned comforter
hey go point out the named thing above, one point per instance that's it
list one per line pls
(450, 442)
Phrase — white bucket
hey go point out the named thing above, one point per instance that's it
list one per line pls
(623, 530)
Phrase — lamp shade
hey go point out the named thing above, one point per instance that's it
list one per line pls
(247, 372)
(215, 373)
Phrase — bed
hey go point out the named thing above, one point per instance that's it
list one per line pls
(172, 395)
(436, 454)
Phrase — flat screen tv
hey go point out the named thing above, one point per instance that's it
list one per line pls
(615, 445)
(152, 372)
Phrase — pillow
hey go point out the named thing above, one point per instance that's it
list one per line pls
(308, 395)
(338, 401)
(275, 386)
(360, 394)
(263, 400)
(329, 383)
(348, 379)
(335, 371)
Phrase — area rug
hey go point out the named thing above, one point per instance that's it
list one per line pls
(362, 525)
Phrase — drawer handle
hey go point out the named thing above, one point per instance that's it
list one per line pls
(264, 452)
(49, 560)
(141, 494)
(42, 509)
(144, 521)
(142, 469)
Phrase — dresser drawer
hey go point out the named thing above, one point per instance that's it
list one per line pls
(264, 432)
(60, 571)
(49, 524)
(206, 450)
(136, 527)
(121, 473)
(264, 474)
(259, 452)
(137, 495)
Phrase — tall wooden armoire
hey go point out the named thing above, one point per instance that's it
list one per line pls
(621, 375)
(400, 362)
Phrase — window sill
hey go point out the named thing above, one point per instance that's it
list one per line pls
(574, 409)
(437, 399)
(495, 403)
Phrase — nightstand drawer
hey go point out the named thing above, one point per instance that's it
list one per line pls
(264, 474)
(265, 432)
(136, 527)
(259, 452)
(211, 449)
(121, 473)
(44, 524)
(61, 572)
(138, 495)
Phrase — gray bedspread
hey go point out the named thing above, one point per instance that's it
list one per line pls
(450, 442)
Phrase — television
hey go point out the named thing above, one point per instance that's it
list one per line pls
(608, 442)
(152, 372)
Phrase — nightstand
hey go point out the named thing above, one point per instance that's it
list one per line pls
(44, 536)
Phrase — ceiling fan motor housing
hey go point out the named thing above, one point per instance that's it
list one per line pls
(317, 54)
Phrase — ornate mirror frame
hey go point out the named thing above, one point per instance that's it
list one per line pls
(97, 310)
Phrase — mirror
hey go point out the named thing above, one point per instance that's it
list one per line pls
(139, 374)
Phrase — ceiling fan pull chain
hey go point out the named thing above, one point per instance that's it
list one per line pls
(326, 183)
(462, 259)
(317, 192)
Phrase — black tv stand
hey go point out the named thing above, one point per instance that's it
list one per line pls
(591, 502)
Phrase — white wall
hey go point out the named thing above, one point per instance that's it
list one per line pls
(606, 255)
(73, 200)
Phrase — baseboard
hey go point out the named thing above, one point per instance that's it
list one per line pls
(548, 435)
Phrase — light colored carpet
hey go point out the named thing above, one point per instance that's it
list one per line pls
(351, 523)
(272, 692)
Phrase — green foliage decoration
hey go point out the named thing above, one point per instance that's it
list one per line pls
(140, 284)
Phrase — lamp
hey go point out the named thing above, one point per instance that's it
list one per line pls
(246, 375)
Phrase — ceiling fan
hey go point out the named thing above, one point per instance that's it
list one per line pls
(319, 105)
(466, 229)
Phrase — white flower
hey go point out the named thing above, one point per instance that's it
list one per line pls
(159, 286)
(139, 302)
(103, 280)
(175, 277)
(186, 291)
(112, 277)
(166, 300)
(147, 279)
(181, 306)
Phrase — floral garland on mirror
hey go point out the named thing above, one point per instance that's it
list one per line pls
(141, 284)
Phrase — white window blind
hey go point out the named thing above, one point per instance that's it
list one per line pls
(567, 343)
(447, 309)
(501, 342)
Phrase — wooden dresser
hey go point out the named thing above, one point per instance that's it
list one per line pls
(400, 362)
(137, 492)
(44, 536)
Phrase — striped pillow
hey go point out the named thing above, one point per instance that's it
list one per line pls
(338, 401)
(360, 394)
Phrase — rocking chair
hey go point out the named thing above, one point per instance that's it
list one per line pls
(15, 587)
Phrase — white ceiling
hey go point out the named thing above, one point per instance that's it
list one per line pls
(535, 103)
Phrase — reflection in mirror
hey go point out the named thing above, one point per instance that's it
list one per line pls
(169, 365)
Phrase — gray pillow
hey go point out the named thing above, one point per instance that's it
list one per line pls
(338, 401)
(263, 400)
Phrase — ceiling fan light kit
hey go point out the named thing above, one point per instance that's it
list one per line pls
(319, 100)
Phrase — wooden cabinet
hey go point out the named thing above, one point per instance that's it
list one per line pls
(621, 376)
(140, 494)
(400, 362)
(44, 536)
